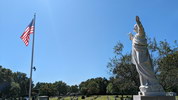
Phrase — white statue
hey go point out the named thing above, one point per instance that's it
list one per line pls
(149, 85)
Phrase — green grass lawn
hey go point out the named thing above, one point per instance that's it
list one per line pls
(102, 97)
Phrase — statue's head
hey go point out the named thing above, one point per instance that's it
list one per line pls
(136, 28)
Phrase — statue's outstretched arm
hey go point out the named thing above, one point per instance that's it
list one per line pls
(141, 31)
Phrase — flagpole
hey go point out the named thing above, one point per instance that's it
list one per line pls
(31, 69)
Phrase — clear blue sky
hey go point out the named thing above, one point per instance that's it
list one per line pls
(75, 38)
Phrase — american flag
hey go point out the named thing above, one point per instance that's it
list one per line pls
(29, 30)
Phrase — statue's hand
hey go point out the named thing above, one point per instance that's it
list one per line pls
(141, 29)
(131, 36)
(137, 19)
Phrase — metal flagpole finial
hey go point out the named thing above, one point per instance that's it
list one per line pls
(34, 15)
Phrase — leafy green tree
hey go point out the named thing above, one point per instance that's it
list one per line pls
(74, 89)
(23, 81)
(83, 88)
(12, 84)
(124, 72)
(14, 90)
(110, 89)
(164, 59)
(5, 82)
(62, 87)
(113, 87)
(94, 86)
(102, 83)
(169, 72)
(47, 89)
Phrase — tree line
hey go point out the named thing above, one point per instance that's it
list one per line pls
(13, 84)
(124, 78)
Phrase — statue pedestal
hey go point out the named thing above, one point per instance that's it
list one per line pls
(152, 94)
(138, 97)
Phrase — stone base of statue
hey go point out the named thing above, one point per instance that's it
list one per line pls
(151, 90)
(139, 97)
(152, 93)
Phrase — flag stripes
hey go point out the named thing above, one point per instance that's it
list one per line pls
(26, 34)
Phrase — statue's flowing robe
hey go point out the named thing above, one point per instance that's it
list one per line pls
(141, 58)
